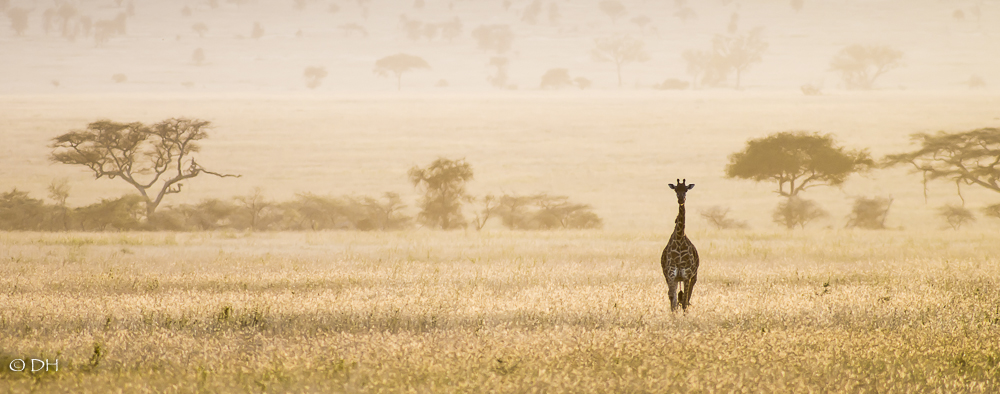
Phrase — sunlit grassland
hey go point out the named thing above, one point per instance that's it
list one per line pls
(500, 311)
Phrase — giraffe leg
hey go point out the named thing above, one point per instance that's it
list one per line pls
(688, 287)
(672, 291)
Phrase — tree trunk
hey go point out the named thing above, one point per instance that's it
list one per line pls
(399, 81)
(619, 65)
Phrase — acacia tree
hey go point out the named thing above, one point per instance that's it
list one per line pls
(798, 159)
(620, 50)
(614, 9)
(860, 65)
(398, 64)
(153, 159)
(443, 183)
(741, 51)
(970, 158)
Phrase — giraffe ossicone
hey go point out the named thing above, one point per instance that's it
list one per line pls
(680, 258)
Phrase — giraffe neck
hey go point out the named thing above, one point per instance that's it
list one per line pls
(679, 222)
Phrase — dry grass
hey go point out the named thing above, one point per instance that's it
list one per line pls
(507, 311)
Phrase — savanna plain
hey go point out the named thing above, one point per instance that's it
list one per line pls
(913, 308)
(298, 104)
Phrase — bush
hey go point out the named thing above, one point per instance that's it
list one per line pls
(672, 84)
(718, 217)
(18, 212)
(956, 215)
(797, 211)
(543, 212)
(869, 213)
(992, 211)
(119, 214)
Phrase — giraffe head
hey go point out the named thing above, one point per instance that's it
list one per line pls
(681, 189)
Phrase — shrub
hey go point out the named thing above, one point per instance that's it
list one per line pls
(718, 217)
(956, 215)
(797, 211)
(869, 213)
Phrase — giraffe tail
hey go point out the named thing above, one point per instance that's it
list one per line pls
(680, 295)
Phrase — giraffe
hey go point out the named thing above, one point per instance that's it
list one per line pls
(680, 258)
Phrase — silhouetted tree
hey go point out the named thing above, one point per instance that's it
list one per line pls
(59, 192)
(198, 56)
(956, 215)
(257, 31)
(614, 9)
(532, 12)
(452, 29)
(799, 159)
(620, 50)
(398, 64)
(153, 159)
(860, 65)
(494, 38)
(18, 19)
(443, 184)
(869, 213)
(797, 5)
(499, 78)
(642, 21)
(706, 68)
(581, 82)
(200, 28)
(119, 78)
(556, 78)
(992, 211)
(489, 206)
(314, 76)
(971, 158)
(741, 51)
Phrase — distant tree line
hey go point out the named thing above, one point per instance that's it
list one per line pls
(155, 159)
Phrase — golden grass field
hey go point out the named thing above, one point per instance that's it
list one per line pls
(422, 311)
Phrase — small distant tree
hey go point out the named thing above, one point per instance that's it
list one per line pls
(443, 184)
(198, 56)
(385, 214)
(975, 82)
(494, 38)
(797, 161)
(956, 215)
(797, 5)
(642, 21)
(256, 207)
(860, 65)
(499, 77)
(739, 52)
(489, 206)
(200, 28)
(992, 211)
(544, 212)
(119, 78)
(452, 29)
(970, 158)
(257, 32)
(614, 9)
(706, 68)
(59, 192)
(556, 78)
(719, 217)
(314, 76)
(797, 211)
(620, 50)
(18, 20)
(869, 213)
(532, 12)
(398, 64)
(153, 159)
(582, 83)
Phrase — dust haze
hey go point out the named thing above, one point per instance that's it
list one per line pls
(602, 101)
